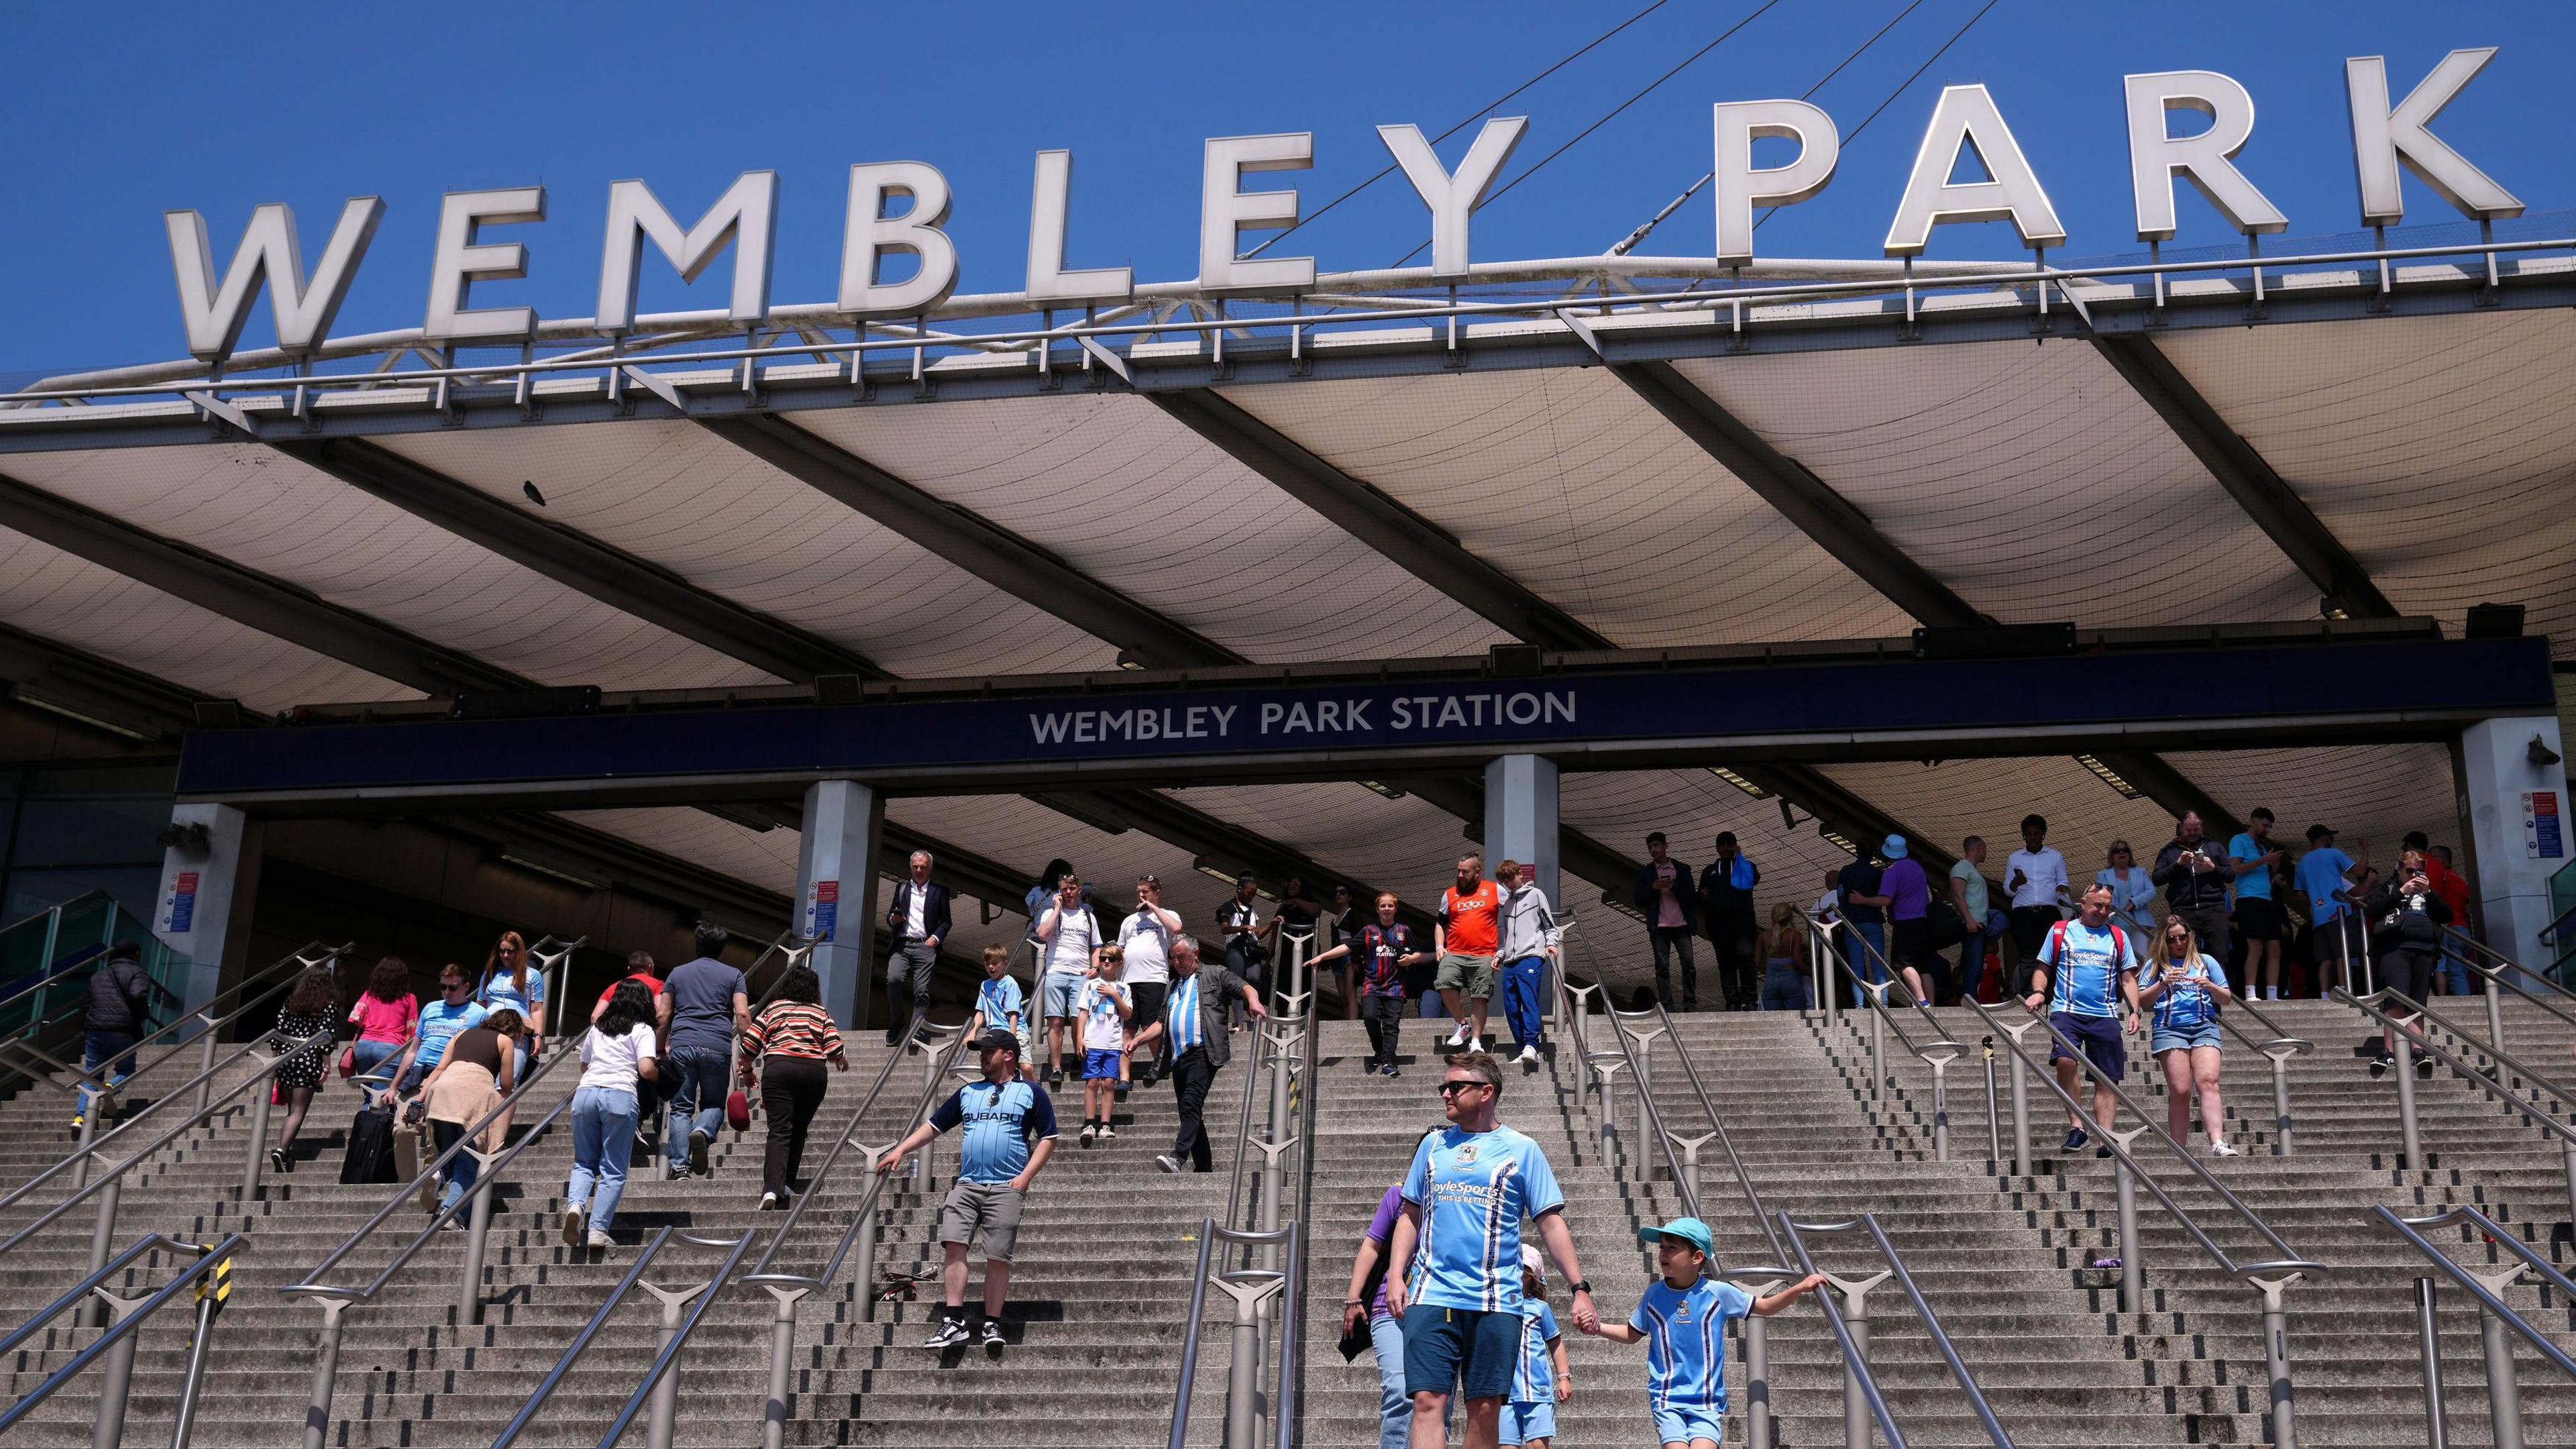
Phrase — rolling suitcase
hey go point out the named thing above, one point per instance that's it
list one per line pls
(370, 1157)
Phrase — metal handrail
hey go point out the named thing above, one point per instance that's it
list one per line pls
(211, 1024)
(97, 1145)
(47, 978)
(311, 1282)
(1652, 1118)
(120, 1337)
(117, 1173)
(666, 1404)
(1264, 1051)
(581, 1340)
(789, 1288)
(2498, 1234)
(1855, 1358)
(1868, 1223)
(1253, 1280)
(1726, 1141)
(1288, 1404)
(2497, 964)
(2410, 1130)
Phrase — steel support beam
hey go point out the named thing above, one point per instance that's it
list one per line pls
(62, 680)
(1817, 793)
(243, 595)
(1416, 544)
(985, 549)
(572, 558)
(1847, 533)
(2161, 782)
(2265, 495)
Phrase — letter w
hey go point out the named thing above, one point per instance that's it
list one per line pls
(303, 310)
(1049, 728)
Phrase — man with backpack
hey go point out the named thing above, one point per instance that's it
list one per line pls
(121, 996)
(2085, 976)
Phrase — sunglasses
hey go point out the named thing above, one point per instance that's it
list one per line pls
(452, 986)
(1451, 1089)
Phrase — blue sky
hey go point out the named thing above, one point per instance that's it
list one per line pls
(118, 113)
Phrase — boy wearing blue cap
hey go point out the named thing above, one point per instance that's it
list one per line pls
(1682, 1321)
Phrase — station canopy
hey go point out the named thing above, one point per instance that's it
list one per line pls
(1633, 453)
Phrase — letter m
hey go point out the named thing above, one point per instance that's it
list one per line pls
(302, 307)
(742, 215)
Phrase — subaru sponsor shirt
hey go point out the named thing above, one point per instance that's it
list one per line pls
(1534, 1382)
(2186, 1004)
(2084, 964)
(439, 1024)
(2253, 885)
(1474, 1188)
(1470, 921)
(1685, 1332)
(2321, 873)
(1001, 1121)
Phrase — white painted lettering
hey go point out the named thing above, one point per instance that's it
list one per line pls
(1560, 706)
(1512, 709)
(1086, 727)
(1049, 728)
(1224, 716)
(1271, 714)
(1328, 715)
(1198, 726)
(1399, 713)
(1123, 721)
(1356, 711)
(1450, 713)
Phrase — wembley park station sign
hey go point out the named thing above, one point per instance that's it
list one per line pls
(896, 210)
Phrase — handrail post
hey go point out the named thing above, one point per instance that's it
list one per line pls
(1994, 1122)
(183, 1419)
(2428, 1332)
(782, 1347)
(1757, 1360)
(478, 1229)
(2504, 1386)
(664, 1417)
(1877, 1038)
(1645, 1084)
(864, 1273)
(116, 1376)
(2567, 1159)
(2282, 1144)
(2133, 1274)
(1609, 1114)
(206, 1064)
(1690, 1147)
(1243, 1408)
(2409, 1130)
(1856, 1414)
(101, 1238)
(256, 1155)
(2495, 1009)
(326, 1373)
(1940, 1065)
(2276, 1360)
(2020, 1098)
(100, 1103)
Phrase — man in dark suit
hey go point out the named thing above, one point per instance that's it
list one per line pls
(1194, 1013)
(916, 922)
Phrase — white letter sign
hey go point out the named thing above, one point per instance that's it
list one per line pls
(462, 260)
(742, 216)
(1226, 212)
(868, 234)
(302, 310)
(1739, 186)
(1453, 199)
(2382, 137)
(1966, 116)
(1048, 280)
(2155, 155)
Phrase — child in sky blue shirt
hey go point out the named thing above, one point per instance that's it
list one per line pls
(1682, 1321)
(1543, 1379)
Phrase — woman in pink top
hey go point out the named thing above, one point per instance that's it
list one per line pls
(386, 1015)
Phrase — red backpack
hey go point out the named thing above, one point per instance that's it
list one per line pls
(2057, 942)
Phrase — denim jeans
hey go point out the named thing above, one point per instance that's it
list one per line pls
(2454, 974)
(1394, 1405)
(698, 1101)
(462, 1170)
(1972, 963)
(1784, 990)
(1868, 964)
(1524, 987)
(603, 1138)
(374, 1054)
(101, 1048)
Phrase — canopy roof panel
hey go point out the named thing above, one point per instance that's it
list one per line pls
(2371, 794)
(1569, 483)
(50, 593)
(1133, 499)
(2439, 449)
(676, 495)
(2029, 478)
(1692, 806)
(268, 512)
(1955, 799)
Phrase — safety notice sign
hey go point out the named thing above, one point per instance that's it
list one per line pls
(2544, 831)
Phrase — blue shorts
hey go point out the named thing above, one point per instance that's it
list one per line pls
(1100, 1066)
(1681, 1424)
(1523, 1422)
(1063, 994)
(1474, 1350)
(2182, 1037)
(2100, 1037)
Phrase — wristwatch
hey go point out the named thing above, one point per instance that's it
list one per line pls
(1583, 1287)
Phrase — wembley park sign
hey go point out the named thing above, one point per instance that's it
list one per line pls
(897, 208)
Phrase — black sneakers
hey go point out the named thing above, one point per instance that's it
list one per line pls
(698, 1142)
(2075, 1139)
(951, 1333)
(993, 1333)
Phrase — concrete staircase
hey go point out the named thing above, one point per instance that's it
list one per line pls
(2351, 1335)
(1103, 1266)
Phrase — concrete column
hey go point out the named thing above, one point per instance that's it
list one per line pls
(836, 892)
(1520, 817)
(206, 896)
(2520, 829)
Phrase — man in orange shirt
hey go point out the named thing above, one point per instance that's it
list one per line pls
(1467, 936)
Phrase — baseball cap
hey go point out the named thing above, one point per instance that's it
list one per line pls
(1689, 1230)
(1533, 1262)
(2317, 831)
(998, 1041)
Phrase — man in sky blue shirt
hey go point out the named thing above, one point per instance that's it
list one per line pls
(2326, 876)
(1460, 1295)
(440, 1021)
(2090, 976)
(2259, 922)
(1010, 1134)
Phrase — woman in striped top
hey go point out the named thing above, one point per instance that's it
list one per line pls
(783, 1051)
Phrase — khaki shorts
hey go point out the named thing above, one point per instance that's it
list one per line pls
(984, 1215)
(1473, 975)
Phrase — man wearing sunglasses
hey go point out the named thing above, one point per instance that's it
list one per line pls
(1459, 1297)
(455, 1010)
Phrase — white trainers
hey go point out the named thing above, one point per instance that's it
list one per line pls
(1107, 1132)
(600, 1240)
(1459, 1037)
(2221, 1147)
(1528, 1056)
(575, 1215)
